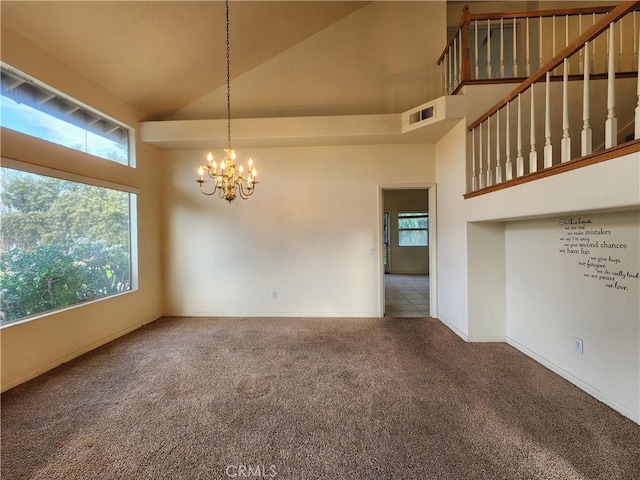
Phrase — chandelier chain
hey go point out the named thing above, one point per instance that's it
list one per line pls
(229, 179)
(228, 82)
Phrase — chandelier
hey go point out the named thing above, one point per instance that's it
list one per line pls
(229, 179)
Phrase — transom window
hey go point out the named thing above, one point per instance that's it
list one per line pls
(413, 229)
(35, 109)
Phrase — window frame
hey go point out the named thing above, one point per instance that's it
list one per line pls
(415, 214)
(133, 192)
(82, 107)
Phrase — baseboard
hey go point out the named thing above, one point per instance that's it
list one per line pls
(453, 328)
(371, 314)
(71, 356)
(581, 384)
(487, 338)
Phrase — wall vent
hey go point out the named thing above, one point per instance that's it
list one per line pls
(421, 115)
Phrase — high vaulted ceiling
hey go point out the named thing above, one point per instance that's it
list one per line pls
(288, 58)
(159, 56)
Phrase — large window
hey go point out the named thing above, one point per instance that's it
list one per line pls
(413, 229)
(61, 243)
(37, 110)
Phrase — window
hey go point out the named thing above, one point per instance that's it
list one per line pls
(34, 109)
(413, 229)
(61, 243)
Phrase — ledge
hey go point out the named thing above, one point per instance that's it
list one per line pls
(610, 154)
(393, 128)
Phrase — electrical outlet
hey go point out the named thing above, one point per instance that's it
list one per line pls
(577, 344)
(274, 294)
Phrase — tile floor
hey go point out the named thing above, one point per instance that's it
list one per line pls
(406, 295)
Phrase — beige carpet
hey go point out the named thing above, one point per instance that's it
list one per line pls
(202, 398)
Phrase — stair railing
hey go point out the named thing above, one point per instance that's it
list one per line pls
(499, 47)
(497, 157)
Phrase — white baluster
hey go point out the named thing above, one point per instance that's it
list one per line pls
(548, 148)
(443, 76)
(460, 58)
(565, 143)
(637, 126)
(594, 63)
(527, 59)
(533, 155)
(553, 39)
(456, 63)
(605, 66)
(540, 43)
(474, 180)
(488, 48)
(620, 53)
(611, 124)
(586, 144)
(519, 158)
(581, 54)
(515, 50)
(501, 48)
(507, 149)
(498, 165)
(635, 35)
(450, 65)
(489, 171)
(481, 172)
(476, 50)
(566, 32)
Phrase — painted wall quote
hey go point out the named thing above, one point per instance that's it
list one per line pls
(600, 252)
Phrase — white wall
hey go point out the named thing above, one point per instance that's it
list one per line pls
(306, 233)
(550, 301)
(486, 282)
(543, 300)
(31, 348)
(451, 231)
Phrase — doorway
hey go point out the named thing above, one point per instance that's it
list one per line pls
(407, 221)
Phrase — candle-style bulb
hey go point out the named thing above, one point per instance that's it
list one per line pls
(210, 158)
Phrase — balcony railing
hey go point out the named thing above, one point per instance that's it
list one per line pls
(497, 139)
(507, 47)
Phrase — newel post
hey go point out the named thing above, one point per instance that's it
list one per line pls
(465, 71)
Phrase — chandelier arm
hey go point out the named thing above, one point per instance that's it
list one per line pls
(245, 194)
(215, 188)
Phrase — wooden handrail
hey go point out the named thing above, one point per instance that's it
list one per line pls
(575, 46)
(543, 13)
(468, 17)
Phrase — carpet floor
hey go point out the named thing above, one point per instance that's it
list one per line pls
(292, 398)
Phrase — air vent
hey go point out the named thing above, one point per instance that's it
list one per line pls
(421, 115)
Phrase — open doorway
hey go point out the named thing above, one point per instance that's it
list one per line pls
(407, 254)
